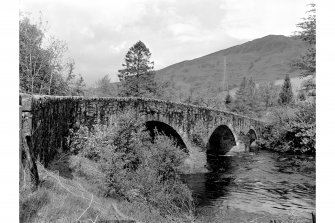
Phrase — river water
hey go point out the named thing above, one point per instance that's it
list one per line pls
(262, 182)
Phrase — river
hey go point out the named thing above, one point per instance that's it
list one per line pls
(255, 185)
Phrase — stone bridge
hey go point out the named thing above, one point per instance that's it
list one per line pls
(201, 131)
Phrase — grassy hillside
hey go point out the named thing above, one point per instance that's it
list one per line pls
(265, 59)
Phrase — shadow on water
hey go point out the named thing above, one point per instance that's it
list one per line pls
(256, 183)
(207, 187)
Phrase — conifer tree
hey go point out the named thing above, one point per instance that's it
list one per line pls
(137, 78)
(241, 91)
(286, 94)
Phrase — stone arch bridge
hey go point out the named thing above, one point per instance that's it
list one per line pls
(47, 120)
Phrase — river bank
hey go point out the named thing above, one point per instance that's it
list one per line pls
(67, 195)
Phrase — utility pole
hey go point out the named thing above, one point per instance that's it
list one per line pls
(225, 80)
(226, 95)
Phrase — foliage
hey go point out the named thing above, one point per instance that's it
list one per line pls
(136, 166)
(307, 33)
(208, 96)
(268, 94)
(105, 88)
(292, 129)
(286, 94)
(42, 67)
(301, 96)
(246, 99)
(76, 86)
(197, 136)
(309, 87)
(137, 77)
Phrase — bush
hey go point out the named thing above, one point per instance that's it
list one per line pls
(197, 136)
(292, 129)
(136, 166)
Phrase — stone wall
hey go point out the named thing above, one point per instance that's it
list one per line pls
(49, 118)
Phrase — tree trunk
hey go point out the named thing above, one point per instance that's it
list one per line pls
(50, 84)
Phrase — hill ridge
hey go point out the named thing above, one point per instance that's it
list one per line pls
(265, 59)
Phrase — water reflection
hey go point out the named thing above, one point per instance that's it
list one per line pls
(263, 182)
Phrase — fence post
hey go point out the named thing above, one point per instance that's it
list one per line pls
(20, 144)
(28, 169)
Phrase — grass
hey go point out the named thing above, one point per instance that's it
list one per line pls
(70, 192)
(60, 199)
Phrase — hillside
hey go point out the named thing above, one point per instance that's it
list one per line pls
(265, 59)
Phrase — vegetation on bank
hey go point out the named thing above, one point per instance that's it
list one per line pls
(113, 170)
(291, 129)
(292, 126)
(135, 166)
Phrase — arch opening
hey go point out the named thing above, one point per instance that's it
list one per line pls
(221, 141)
(252, 135)
(167, 130)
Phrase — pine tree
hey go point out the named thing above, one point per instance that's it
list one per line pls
(241, 90)
(286, 94)
(137, 78)
(251, 100)
(240, 103)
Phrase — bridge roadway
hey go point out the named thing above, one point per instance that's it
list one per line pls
(48, 119)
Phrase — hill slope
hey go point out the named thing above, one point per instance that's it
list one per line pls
(265, 59)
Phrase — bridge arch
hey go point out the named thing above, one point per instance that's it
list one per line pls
(221, 140)
(167, 130)
(252, 134)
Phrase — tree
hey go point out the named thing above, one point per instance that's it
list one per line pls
(105, 88)
(286, 94)
(241, 90)
(268, 94)
(42, 67)
(79, 85)
(246, 101)
(137, 77)
(307, 33)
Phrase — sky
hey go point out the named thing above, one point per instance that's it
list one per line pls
(99, 33)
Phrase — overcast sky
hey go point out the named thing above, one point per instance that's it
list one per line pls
(100, 32)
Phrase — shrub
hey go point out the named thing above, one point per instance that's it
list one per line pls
(292, 129)
(136, 166)
(197, 136)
